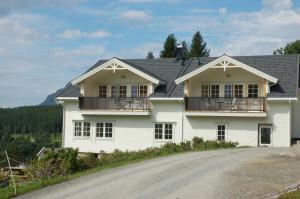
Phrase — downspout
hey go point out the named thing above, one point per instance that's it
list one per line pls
(63, 126)
(182, 120)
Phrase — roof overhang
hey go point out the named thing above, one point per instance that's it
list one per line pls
(114, 64)
(226, 62)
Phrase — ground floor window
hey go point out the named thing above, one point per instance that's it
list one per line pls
(163, 131)
(104, 130)
(221, 132)
(82, 129)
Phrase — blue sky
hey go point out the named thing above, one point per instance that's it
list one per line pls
(46, 43)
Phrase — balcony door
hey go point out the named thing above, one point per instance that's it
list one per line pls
(265, 135)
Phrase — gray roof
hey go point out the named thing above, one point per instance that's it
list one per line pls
(283, 67)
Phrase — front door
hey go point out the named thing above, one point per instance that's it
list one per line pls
(265, 135)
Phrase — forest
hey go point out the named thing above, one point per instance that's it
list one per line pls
(25, 130)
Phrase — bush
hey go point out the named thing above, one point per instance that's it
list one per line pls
(55, 163)
(197, 142)
(88, 161)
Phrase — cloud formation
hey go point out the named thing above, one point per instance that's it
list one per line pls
(77, 34)
(135, 16)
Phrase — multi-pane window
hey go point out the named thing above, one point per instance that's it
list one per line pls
(215, 91)
(123, 91)
(82, 129)
(252, 90)
(143, 91)
(221, 132)
(104, 130)
(77, 129)
(86, 129)
(102, 91)
(238, 90)
(205, 91)
(228, 90)
(134, 91)
(163, 131)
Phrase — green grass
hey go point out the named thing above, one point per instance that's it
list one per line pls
(291, 195)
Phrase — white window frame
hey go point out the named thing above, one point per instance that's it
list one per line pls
(234, 90)
(103, 85)
(226, 90)
(252, 93)
(104, 131)
(205, 90)
(164, 131)
(211, 90)
(225, 131)
(82, 130)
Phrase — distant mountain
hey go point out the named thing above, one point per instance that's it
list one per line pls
(51, 99)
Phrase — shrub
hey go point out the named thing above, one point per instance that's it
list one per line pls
(197, 142)
(87, 161)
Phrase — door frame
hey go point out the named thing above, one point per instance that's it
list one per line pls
(270, 126)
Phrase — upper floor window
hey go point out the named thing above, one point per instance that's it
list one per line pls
(238, 90)
(252, 90)
(123, 91)
(228, 90)
(82, 129)
(104, 130)
(102, 91)
(163, 131)
(143, 91)
(134, 91)
(215, 89)
(205, 90)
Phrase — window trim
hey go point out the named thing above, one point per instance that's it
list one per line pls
(82, 137)
(255, 84)
(106, 88)
(234, 93)
(105, 138)
(163, 132)
(225, 132)
(231, 90)
(211, 90)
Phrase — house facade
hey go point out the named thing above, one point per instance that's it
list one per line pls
(133, 104)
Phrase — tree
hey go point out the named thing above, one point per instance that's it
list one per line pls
(198, 46)
(290, 48)
(150, 55)
(169, 47)
(185, 50)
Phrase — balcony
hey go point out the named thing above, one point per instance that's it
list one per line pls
(248, 107)
(114, 106)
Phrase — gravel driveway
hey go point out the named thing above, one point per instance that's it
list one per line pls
(231, 173)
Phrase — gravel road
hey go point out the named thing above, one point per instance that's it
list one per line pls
(231, 173)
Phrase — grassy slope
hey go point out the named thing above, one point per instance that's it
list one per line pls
(291, 195)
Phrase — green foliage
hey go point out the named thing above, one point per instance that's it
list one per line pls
(200, 144)
(150, 55)
(290, 48)
(169, 47)
(29, 119)
(198, 46)
(55, 163)
(291, 195)
(185, 50)
(197, 142)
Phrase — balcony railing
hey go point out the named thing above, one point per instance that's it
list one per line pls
(126, 104)
(225, 104)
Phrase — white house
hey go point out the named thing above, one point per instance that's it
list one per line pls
(132, 104)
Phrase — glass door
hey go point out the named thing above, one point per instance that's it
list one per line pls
(265, 136)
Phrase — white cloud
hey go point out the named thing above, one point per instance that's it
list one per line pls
(77, 34)
(89, 50)
(143, 49)
(135, 16)
(222, 11)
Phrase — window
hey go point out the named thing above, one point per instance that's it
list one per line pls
(214, 91)
(158, 131)
(102, 91)
(252, 90)
(86, 129)
(134, 91)
(221, 132)
(123, 91)
(205, 91)
(163, 131)
(104, 130)
(82, 129)
(143, 91)
(228, 91)
(238, 90)
(115, 91)
(78, 128)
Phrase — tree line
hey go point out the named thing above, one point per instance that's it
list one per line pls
(198, 47)
(31, 119)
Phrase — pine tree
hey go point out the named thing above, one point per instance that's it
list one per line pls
(169, 47)
(150, 55)
(185, 50)
(198, 47)
(290, 48)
